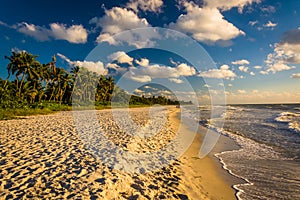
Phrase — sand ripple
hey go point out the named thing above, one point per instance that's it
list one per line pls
(43, 157)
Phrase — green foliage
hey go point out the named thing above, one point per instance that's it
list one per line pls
(44, 88)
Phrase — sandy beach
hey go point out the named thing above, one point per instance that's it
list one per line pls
(44, 157)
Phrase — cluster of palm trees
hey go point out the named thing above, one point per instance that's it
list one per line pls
(29, 82)
(36, 82)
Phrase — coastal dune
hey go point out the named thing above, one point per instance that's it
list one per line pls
(44, 157)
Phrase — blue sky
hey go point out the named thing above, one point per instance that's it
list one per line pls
(254, 44)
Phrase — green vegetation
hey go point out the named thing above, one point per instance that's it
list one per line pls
(35, 88)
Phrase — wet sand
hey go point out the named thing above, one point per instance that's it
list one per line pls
(43, 157)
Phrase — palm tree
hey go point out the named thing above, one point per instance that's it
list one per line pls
(23, 64)
(66, 81)
(55, 86)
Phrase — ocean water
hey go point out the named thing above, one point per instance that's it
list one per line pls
(269, 156)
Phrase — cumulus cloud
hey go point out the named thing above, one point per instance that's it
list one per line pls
(145, 5)
(289, 48)
(288, 52)
(270, 24)
(138, 91)
(282, 56)
(295, 75)
(120, 57)
(279, 66)
(241, 91)
(243, 69)
(117, 20)
(227, 5)
(176, 80)
(252, 73)
(257, 67)
(252, 23)
(241, 62)
(185, 70)
(205, 24)
(143, 62)
(37, 32)
(116, 68)
(146, 73)
(268, 9)
(285, 53)
(264, 72)
(223, 72)
(73, 34)
(96, 67)
(138, 78)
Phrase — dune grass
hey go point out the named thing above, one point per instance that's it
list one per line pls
(50, 108)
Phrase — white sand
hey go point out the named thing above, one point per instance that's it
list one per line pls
(44, 157)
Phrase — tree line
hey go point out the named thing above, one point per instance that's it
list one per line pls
(30, 83)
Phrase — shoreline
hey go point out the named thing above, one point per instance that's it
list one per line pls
(208, 173)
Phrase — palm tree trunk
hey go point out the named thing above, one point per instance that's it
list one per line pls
(22, 81)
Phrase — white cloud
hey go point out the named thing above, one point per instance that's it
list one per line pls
(269, 9)
(227, 5)
(146, 5)
(223, 72)
(117, 20)
(185, 70)
(73, 34)
(241, 91)
(138, 78)
(146, 73)
(205, 24)
(289, 52)
(143, 62)
(252, 23)
(257, 67)
(37, 32)
(120, 57)
(240, 62)
(116, 67)
(279, 66)
(230, 85)
(264, 72)
(243, 69)
(96, 67)
(276, 61)
(252, 73)
(139, 91)
(285, 53)
(176, 80)
(295, 75)
(270, 24)
(3, 24)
